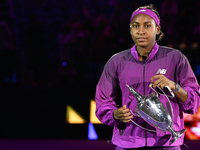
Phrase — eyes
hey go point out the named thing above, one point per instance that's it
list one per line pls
(135, 26)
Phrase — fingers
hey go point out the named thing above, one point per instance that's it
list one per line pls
(159, 80)
(155, 77)
(124, 107)
(124, 114)
(127, 118)
(156, 82)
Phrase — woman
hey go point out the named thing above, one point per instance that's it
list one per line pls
(144, 64)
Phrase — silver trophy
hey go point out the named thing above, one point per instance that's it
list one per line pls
(152, 110)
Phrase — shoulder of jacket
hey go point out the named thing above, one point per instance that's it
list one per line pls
(169, 49)
(118, 59)
(120, 55)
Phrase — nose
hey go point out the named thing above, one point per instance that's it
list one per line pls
(141, 30)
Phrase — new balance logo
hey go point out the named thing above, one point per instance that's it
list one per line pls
(161, 71)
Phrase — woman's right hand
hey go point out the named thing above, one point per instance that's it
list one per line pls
(123, 114)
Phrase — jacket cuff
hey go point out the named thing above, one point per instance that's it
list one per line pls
(116, 122)
(189, 104)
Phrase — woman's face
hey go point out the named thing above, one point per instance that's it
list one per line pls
(144, 30)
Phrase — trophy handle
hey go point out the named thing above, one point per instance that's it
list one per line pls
(145, 128)
(171, 111)
(135, 112)
(153, 89)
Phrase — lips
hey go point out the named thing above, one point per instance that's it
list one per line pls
(141, 39)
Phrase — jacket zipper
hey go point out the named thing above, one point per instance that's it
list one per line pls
(144, 94)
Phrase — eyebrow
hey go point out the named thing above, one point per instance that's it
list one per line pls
(143, 23)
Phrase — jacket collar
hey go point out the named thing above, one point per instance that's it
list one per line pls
(151, 55)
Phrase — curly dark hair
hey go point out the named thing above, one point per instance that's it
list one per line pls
(154, 9)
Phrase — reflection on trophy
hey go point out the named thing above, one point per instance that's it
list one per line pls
(151, 109)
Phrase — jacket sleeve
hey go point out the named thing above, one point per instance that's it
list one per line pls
(107, 95)
(188, 81)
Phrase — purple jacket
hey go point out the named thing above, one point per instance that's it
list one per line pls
(125, 68)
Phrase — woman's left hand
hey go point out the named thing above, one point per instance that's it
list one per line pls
(161, 81)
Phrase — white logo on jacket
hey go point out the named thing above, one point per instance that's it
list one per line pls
(161, 71)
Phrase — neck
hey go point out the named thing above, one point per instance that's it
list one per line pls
(143, 52)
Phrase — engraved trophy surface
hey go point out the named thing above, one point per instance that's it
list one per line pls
(152, 110)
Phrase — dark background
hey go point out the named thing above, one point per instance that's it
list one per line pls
(53, 52)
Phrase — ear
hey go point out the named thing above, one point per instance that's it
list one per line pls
(130, 29)
(158, 29)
